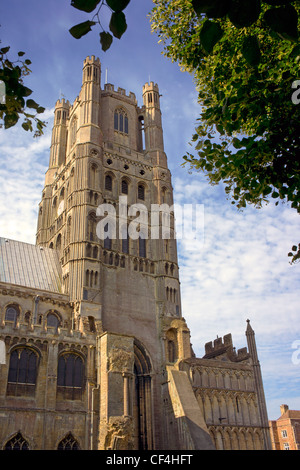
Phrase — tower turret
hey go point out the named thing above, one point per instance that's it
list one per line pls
(258, 383)
(154, 143)
(88, 126)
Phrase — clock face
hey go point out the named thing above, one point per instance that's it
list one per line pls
(60, 208)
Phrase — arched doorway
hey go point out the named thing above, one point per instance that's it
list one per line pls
(142, 410)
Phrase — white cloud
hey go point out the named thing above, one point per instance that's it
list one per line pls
(23, 162)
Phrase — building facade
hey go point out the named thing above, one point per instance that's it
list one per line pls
(285, 431)
(96, 352)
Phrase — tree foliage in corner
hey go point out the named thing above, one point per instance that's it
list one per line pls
(14, 99)
(117, 24)
(245, 59)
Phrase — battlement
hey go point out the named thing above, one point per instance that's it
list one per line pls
(120, 91)
(150, 87)
(91, 60)
(62, 103)
(222, 346)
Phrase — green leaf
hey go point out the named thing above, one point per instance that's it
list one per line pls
(243, 13)
(81, 29)
(105, 40)
(212, 8)
(25, 126)
(4, 50)
(117, 5)
(31, 104)
(283, 20)
(20, 53)
(10, 120)
(210, 34)
(85, 5)
(40, 109)
(294, 248)
(118, 24)
(251, 51)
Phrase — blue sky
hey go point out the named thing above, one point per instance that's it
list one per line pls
(239, 269)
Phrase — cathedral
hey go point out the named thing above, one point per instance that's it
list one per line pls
(95, 353)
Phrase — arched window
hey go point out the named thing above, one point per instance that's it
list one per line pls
(125, 240)
(121, 121)
(53, 320)
(124, 187)
(12, 312)
(91, 226)
(171, 351)
(70, 376)
(68, 443)
(58, 242)
(107, 240)
(108, 183)
(142, 245)
(17, 442)
(22, 372)
(141, 192)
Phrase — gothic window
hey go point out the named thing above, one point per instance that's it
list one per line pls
(93, 175)
(120, 121)
(68, 443)
(141, 192)
(95, 252)
(17, 442)
(58, 242)
(124, 187)
(12, 312)
(53, 320)
(70, 376)
(22, 372)
(88, 250)
(108, 183)
(142, 246)
(125, 240)
(107, 240)
(171, 351)
(91, 226)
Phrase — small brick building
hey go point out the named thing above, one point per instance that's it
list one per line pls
(285, 431)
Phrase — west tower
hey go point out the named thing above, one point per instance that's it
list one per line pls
(97, 352)
(107, 157)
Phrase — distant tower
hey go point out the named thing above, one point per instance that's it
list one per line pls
(258, 385)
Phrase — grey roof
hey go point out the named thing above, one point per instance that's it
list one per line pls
(29, 265)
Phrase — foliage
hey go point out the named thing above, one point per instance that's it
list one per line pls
(117, 24)
(245, 60)
(15, 102)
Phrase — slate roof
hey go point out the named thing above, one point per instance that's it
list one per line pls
(29, 265)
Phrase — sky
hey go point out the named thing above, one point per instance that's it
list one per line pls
(238, 268)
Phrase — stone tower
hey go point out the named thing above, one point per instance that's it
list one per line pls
(94, 351)
(107, 158)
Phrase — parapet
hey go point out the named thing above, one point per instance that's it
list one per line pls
(91, 60)
(225, 347)
(120, 92)
(150, 87)
(62, 103)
